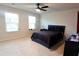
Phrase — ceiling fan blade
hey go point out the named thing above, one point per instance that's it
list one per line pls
(44, 7)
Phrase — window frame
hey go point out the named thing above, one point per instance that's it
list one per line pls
(18, 23)
(31, 23)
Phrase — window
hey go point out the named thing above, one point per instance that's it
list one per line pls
(32, 22)
(12, 22)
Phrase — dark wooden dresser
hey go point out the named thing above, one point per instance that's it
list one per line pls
(71, 48)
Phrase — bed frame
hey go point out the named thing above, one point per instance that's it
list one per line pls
(56, 40)
(56, 28)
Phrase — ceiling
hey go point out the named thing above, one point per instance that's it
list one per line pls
(52, 6)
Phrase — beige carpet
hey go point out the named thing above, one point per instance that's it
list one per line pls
(26, 47)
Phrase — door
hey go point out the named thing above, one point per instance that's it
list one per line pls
(78, 22)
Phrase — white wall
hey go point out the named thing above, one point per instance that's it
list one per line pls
(67, 18)
(24, 32)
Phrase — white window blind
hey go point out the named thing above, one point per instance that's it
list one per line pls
(32, 22)
(12, 22)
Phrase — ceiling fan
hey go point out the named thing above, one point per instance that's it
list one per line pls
(41, 8)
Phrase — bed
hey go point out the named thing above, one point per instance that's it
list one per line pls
(50, 36)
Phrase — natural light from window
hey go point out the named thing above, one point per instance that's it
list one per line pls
(32, 22)
(12, 22)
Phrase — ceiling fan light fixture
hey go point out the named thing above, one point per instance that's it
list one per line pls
(38, 10)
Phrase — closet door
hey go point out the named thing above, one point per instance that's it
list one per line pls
(78, 22)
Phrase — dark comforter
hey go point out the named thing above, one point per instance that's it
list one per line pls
(48, 37)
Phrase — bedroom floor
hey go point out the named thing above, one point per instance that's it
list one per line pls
(26, 47)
